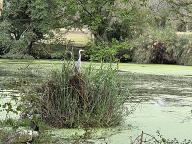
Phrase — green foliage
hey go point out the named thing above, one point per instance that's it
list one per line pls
(104, 52)
(106, 19)
(5, 41)
(111, 22)
(29, 21)
(176, 14)
(182, 9)
(162, 46)
(173, 141)
(144, 137)
(10, 106)
(54, 48)
(84, 104)
(23, 23)
(159, 13)
(165, 35)
(93, 98)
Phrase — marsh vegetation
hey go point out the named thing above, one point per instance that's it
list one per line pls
(102, 95)
(156, 92)
(65, 98)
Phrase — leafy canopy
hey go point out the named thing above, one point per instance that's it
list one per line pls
(27, 21)
(106, 19)
(23, 22)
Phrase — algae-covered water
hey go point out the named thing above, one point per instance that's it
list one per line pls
(165, 95)
(6, 97)
(162, 95)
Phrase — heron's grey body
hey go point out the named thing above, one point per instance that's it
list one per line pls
(78, 63)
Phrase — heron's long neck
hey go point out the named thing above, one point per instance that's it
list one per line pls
(80, 55)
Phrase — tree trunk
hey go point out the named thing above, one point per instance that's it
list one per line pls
(29, 49)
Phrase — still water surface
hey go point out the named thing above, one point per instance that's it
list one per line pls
(163, 96)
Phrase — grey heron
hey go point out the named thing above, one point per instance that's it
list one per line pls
(78, 63)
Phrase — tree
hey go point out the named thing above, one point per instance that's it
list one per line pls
(26, 22)
(30, 20)
(183, 11)
(112, 22)
(106, 19)
(183, 8)
(159, 13)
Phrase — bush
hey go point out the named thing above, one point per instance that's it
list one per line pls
(93, 98)
(114, 51)
(162, 46)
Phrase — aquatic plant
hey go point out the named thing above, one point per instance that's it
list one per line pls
(91, 98)
(146, 138)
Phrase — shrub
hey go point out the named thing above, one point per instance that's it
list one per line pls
(93, 98)
(162, 46)
(114, 51)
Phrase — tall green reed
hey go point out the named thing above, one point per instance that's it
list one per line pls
(93, 97)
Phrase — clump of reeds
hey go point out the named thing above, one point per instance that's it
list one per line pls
(91, 98)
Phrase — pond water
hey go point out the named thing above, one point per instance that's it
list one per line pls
(6, 97)
(162, 95)
(165, 95)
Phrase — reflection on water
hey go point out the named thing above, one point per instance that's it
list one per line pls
(159, 102)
